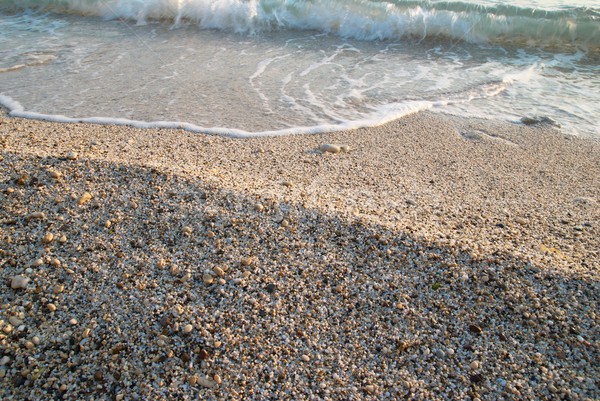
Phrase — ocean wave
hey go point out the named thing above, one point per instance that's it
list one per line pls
(357, 19)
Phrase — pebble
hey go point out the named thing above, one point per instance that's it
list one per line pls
(55, 262)
(305, 358)
(37, 263)
(72, 155)
(247, 261)
(15, 321)
(37, 215)
(475, 365)
(217, 379)
(54, 174)
(51, 307)
(62, 239)
(187, 329)
(259, 207)
(48, 238)
(206, 382)
(218, 271)
(369, 388)
(208, 278)
(187, 230)
(73, 322)
(329, 148)
(19, 282)
(58, 288)
(86, 197)
(521, 221)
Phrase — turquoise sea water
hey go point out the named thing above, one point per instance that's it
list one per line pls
(256, 67)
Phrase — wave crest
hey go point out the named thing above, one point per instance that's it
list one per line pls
(357, 19)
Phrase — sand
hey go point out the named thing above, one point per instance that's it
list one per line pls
(439, 258)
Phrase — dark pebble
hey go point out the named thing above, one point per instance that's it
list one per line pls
(271, 288)
(203, 354)
(473, 328)
(476, 378)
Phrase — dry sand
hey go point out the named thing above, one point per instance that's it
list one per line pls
(440, 258)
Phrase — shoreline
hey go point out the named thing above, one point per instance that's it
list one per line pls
(440, 258)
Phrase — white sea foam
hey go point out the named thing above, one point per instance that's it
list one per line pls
(301, 69)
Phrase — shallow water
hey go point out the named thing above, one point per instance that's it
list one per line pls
(226, 67)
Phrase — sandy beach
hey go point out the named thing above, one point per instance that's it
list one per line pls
(437, 258)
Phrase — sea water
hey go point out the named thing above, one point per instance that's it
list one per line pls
(268, 67)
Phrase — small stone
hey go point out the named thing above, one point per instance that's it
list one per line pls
(51, 307)
(345, 148)
(218, 271)
(473, 328)
(107, 223)
(474, 365)
(187, 329)
(287, 184)
(73, 322)
(58, 288)
(62, 239)
(19, 282)
(476, 378)
(29, 345)
(7, 329)
(37, 262)
(217, 379)
(15, 321)
(208, 278)
(36, 340)
(98, 375)
(203, 354)
(54, 174)
(305, 358)
(37, 215)
(192, 380)
(72, 155)
(521, 221)
(55, 262)
(23, 179)
(369, 388)
(206, 382)
(86, 197)
(259, 207)
(186, 277)
(5, 360)
(329, 148)
(271, 288)
(247, 261)
(48, 238)
(187, 230)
